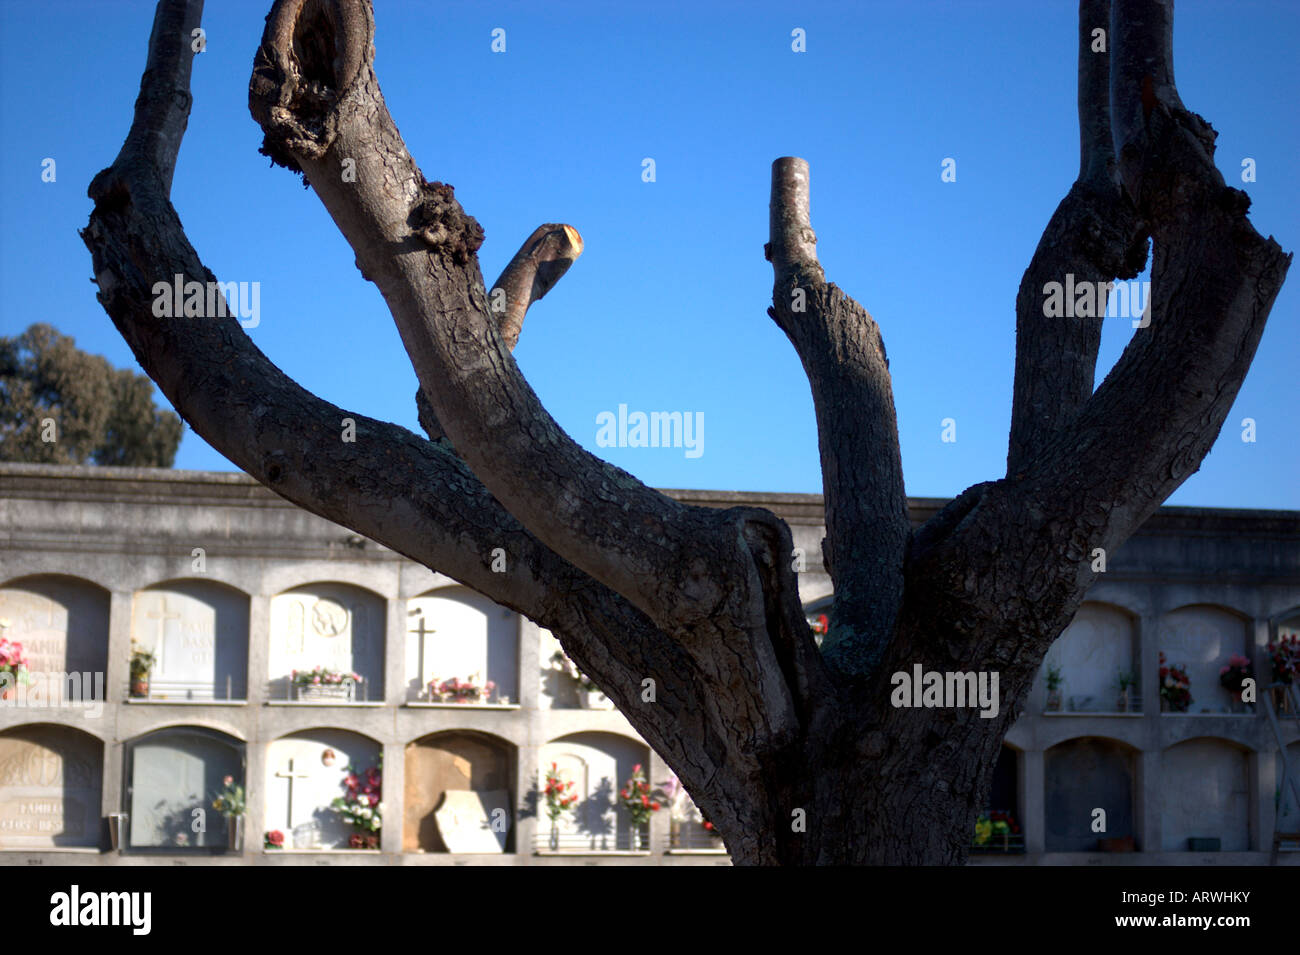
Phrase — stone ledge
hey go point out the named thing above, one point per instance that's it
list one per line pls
(421, 705)
(138, 701)
(354, 704)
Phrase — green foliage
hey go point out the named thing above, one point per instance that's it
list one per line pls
(100, 414)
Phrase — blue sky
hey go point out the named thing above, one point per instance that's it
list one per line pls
(666, 309)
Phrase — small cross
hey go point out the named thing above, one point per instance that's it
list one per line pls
(162, 616)
(423, 631)
(290, 775)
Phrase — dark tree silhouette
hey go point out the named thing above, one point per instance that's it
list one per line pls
(796, 753)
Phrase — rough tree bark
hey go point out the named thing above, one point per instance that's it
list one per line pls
(797, 754)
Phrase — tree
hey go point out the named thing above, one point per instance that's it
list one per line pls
(797, 755)
(60, 405)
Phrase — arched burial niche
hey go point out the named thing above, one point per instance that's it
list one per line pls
(456, 633)
(62, 624)
(1201, 638)
(306, 772)
(459, 794)
(170, 774)
(1003, 807)
(1205, 795)
(598, 764)
(1099, 644)
(1081, 776)
(335, 626)
(51, 779)
(197, 631)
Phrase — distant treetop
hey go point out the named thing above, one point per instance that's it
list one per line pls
(60, 405)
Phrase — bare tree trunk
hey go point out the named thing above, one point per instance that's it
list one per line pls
(799, 755)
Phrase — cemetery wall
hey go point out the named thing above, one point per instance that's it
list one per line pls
(233, 589)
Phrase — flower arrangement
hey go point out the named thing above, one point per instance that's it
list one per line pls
(360, 806)
(273, 839)
(820, 624)
(1126, 680)
(230, 801)
(1239, 669)
(1285, 657)
(461, 691)
(322, 676)
(1175, 686)
(557, 794)
(1054, 681)
(11, 657)
(567, 667)
(996, 823)
(142, 662)
(637, 798)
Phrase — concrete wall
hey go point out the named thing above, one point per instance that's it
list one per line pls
(83, 552)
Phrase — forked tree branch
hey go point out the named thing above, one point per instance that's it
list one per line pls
(409, 494)
(679, 564)
(532, 272)
(843, 356)
(1149, 425)
(1093, 237)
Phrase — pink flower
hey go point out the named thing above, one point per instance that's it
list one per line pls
(228, 780)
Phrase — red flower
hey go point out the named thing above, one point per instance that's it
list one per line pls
(654, 806)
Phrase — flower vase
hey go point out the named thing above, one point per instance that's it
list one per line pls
(235, 833)
(140, 686)
(555, 836)
(1121, 705)
(118, 830)
(638, 839)
(1281, 700)
(1053, 701)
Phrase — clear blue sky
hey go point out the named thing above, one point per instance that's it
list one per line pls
(666, 309)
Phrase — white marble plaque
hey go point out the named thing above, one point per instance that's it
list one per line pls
(597, 764)
(303, 779)
(465, 820)
(198, 632)
(49, 788)
(454, 632)
(62, 624)
(332, 626)
(174, 772)
(1091, 652)
(1202, 639)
